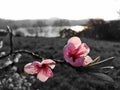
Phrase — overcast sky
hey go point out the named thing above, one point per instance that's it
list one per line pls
(67, 9)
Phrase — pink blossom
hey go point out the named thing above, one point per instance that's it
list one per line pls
(42, 69)
(76, 52)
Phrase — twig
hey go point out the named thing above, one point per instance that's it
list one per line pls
(11, 39)
(27, 52)
(11, 43)
(99, 62)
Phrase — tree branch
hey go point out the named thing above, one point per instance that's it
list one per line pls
(11, 39)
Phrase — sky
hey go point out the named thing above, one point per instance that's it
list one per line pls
(66, 9)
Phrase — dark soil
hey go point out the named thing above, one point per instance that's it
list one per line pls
(66, 77)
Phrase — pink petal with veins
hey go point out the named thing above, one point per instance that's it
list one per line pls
(44, 74)
(30, 68)
(66, 54)
(75, 41)
(83, 50)
(87, 60)
(78, 62)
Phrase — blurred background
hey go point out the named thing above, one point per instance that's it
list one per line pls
(44, 27)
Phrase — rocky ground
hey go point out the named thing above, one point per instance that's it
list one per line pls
(65, 77)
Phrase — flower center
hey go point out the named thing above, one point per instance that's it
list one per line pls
(73, 56)
(44, 65)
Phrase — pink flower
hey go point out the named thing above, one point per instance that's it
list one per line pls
(42, 69)
(76, 52)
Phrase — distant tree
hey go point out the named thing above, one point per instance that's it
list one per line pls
(3, 24)
(3, 32)
(19, 34)
(67, 33)
(99, 28)
(14, 26)
(95, 23)
(61, 22)
(40, 24)
(114, 29)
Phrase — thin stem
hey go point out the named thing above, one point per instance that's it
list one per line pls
(92, 64)
(97, 59)
(27, 52)
(108, 67)
(59, 61)
(11, 39)
(4, 56)
(11, 43)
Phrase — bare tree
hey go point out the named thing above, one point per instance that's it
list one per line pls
(40, 24)
(61, 22)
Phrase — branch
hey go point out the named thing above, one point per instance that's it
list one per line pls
(11, 39)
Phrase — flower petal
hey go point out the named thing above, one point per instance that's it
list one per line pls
(32, 68)
(78, 62)
(44, 74)
(50, 63)
(71, 47)
(75, 40)
(41, 76)
(73, 44)
(87, 60)
(66, 53)
(83, 50)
